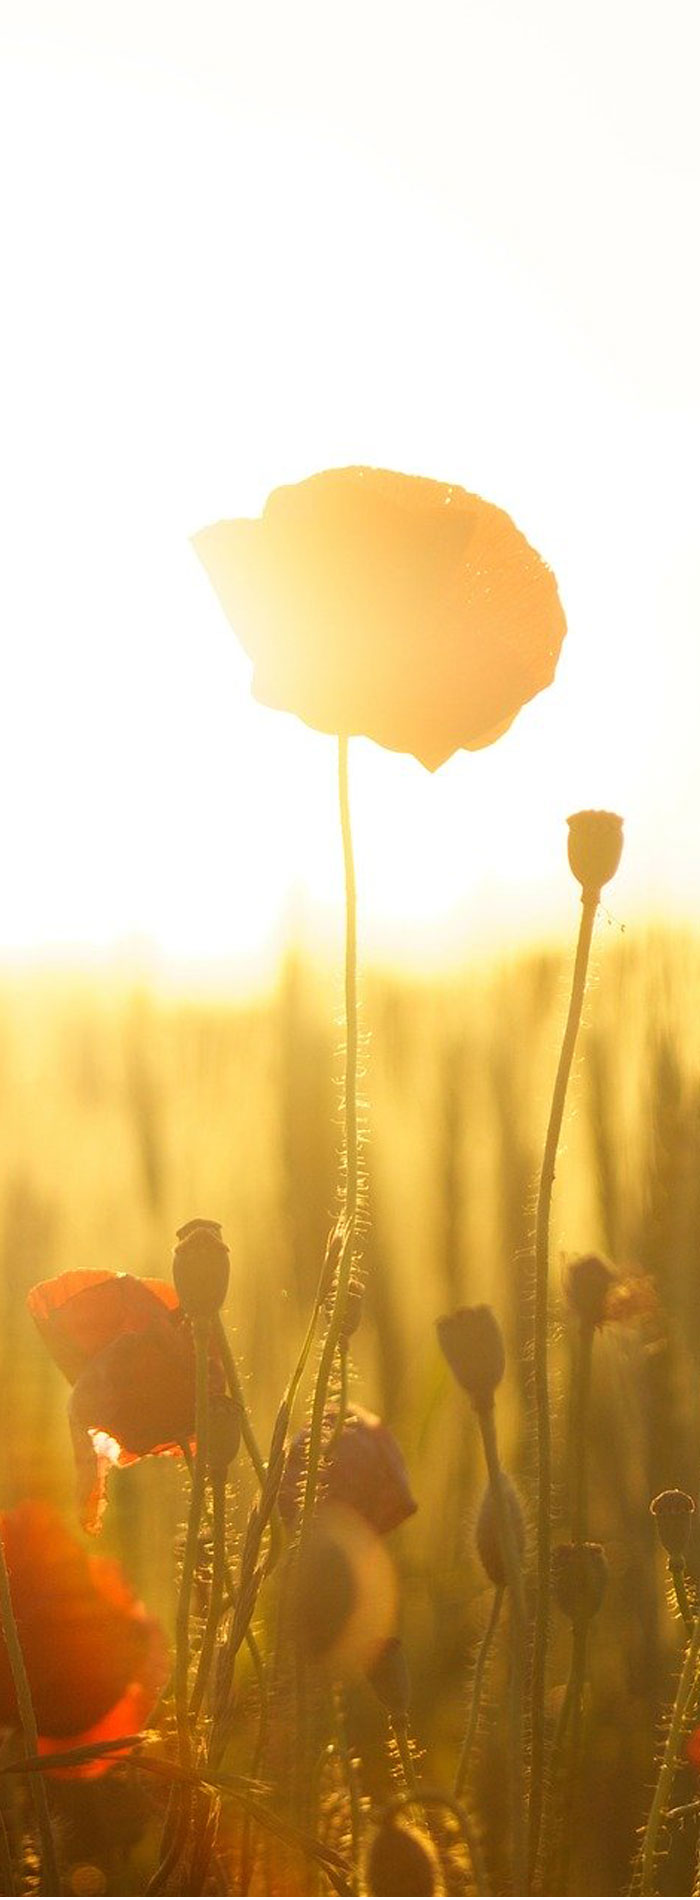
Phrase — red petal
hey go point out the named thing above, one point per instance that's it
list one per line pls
(78, 1314)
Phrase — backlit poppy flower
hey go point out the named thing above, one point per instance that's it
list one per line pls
(389, 605)
(364, 1471)
(95, 1661)
(127, 1349)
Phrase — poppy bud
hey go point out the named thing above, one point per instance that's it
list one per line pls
(587, 1283)
(224, 1432)
(488, 1540)
(390, 1679)
(201, 1268)
(579, 1576)
(673, 1511)
(472, 1343)
(401, 1860)
(595, 848)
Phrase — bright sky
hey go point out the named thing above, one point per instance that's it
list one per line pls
(245, 241)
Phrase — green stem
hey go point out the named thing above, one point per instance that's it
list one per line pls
(201, 1330)
(218, 1582)
(477, 1689)
(335, 1326)
(589, 906)
(579, 1433)
(676, 1570)
(49, 1864)
(670, 1755)
(400, 1731)
(236, 1390)
(562, 1773)
(514, 1579)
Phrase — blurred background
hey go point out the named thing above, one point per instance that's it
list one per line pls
(243, 243)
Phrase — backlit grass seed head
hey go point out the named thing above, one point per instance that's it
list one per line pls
(488, 1541)
(201, 1267)
(472, 1343)
(674, 1511)
(402, 1860)
(595, 848)
(390, 1679)
(579, 1577)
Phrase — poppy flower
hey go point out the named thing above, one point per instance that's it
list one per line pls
(95, 1661)
(364, 1471)
(389, 605)
(127, 1349)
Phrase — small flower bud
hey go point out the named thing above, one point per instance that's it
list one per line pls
(390, 1679)
(472, 1343)
(488, 1540)
(401, 1860)
(201, 1268)
(579, 1576)
(224, 1432)
(674, 1512)
(595, 848)
(587, 1285)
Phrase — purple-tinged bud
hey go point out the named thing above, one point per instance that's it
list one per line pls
(595, 848)
(201, 1268)
(587, 1284)
(579, 1577)
(401, 1860)
(472, 1343)
(674, 1511)
(488, 1537)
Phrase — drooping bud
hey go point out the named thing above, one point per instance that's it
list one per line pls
(472, 1343)
(595, 848)
(674, 1512)
(488, 1537)
(224, 1432)
(579, 1577)
(588, 1282)
(364, 1469)
(201, 1268)
(390, 1679)
(401, 1860)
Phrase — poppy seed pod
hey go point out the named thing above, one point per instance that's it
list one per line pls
(488, 1539)
(674, 1511)
(201, 1268)
(587, 1284)
(390, 1679)
(472, 1343)
(579, 1577)
(401, 1860)
(595, 848)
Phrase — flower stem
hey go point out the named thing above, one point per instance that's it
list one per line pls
(331, 1340)
(676, 1569)
(49, 1867)
(218, 1580)
(579, 1433)
(477, 1688)
(589, 906)
(514, 1579)
(201, 1329)
(668, 1764)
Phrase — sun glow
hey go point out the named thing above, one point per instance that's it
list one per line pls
(235, 295)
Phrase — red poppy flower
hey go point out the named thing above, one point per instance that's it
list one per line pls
(95, 1661)
(365, 1471)
(127, 1349)
(389, 605)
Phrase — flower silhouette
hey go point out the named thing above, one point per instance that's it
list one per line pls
(95, 1661)
(389, 605)
(364, 1471)
(127, 1349)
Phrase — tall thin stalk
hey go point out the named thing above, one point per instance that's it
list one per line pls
(670, 1755)
(589, 906)
(50, 1878)
(514, 1578)
(477, 1689)
(331, 1342)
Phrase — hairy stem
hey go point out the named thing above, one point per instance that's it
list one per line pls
(50, 1879)
(589, 906)
(514, 1579)
(668, 1764)
(477, 1689)
(201, 1329)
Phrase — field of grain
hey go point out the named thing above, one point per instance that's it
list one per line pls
(125, 1113)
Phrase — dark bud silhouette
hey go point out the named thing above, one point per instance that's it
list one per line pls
(201, 1268)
